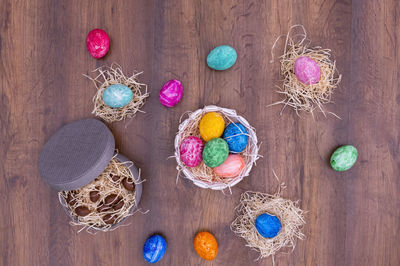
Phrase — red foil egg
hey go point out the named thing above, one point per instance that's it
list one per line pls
(232, 166)
(171, 93)
(97, 43)
(191, 150)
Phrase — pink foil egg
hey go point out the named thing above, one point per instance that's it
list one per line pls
(232, 166)
(97, 43)
(171, 93)
(307, 70)
(191, 150)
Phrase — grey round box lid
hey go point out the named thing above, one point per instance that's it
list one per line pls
(76, 154)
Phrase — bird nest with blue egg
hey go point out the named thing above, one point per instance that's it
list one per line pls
(266, 237)
(118, 96)
(203, 175)
(309, 74)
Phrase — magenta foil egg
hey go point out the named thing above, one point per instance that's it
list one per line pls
(191, 150)
(171, 93)
(307, 70)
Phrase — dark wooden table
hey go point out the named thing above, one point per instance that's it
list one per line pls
(353, 217)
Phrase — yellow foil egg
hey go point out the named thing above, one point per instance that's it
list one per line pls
(211, 126)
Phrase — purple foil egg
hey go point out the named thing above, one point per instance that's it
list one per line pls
(307, 70)
(171, 93)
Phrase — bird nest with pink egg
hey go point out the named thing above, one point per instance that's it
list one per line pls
(309, 74)
(118, 96)
(215, 148)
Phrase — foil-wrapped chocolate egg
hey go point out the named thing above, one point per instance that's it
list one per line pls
(171, 93)
(190, 151)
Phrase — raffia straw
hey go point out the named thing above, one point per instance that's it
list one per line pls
(107, 76)
(299, 96)
(105, 186)
(251, 205)
(202, 172)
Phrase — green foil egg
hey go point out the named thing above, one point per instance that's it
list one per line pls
(221, 57)
(344, 157)
(215, 152)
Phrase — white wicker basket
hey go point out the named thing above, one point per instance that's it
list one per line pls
(230, 115)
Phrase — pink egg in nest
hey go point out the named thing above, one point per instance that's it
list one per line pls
(232, 166)
(97, 43)
(171, 93)
(307, 70)
(191, 150)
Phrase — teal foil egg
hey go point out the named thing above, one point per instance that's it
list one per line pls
(344, 157)
(268, 225)
(221, 57)
(117, 95)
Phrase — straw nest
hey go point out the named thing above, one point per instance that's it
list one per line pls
(103, 215)
(107, 76)
(202, 175)
(306, 97)
(252, 204)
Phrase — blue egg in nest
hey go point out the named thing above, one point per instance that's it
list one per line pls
(154, 248)
(268, 225)
(235, 135)
(117, 96)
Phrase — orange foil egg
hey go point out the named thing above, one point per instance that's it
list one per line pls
(232, 166)
(205, 245)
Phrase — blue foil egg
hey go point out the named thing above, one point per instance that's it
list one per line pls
(117, 95)
(154, 248)
(235, 135)
(268, 225)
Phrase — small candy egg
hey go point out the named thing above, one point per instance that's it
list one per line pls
(211, 126)
(117, 95)
(97, 43)
(94, 195)
(154, 248)
(171, 93)
(110, 199)
(307, 70)
(205, 245)
(215, 152)
(235, 135)
(232, 166)
(109, 218)
(190, 151)
(82, 210)
(344, 157)
(128, 184)
(221, 57)
(268, 225)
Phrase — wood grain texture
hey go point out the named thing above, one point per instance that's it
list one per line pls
(353, 217)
